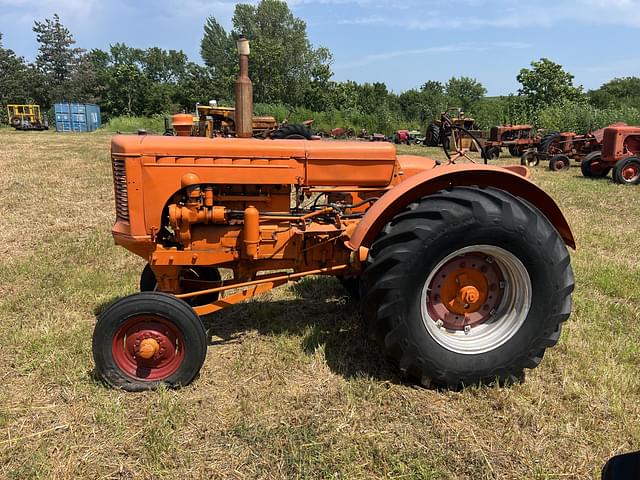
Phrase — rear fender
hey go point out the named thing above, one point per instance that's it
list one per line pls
(512, 180)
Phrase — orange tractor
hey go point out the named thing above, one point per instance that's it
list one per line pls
(462, 270)
(620, 152)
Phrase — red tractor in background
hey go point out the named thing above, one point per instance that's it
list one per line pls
(559, 148)
(620, 150)
(516, 138)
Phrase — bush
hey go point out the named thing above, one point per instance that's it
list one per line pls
(129, 124)
(581, 117)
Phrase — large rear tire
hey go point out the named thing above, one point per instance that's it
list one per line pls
(432, 138)
(550, 145)
(149, 339)
(494, 251)
(592, 166)
(293, 131)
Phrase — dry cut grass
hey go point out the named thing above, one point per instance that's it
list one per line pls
(290, 388)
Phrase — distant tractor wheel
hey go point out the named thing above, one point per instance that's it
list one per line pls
(592, 166)
(191, 280)
(469, 285)
(559, 162)
(492, 153)
(15, 122)
(530, 158)
(515, 151)
(627, 171)
(149, 339)
(293, 131)
(432, 138)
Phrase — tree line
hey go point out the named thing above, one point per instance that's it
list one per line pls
(292, 78)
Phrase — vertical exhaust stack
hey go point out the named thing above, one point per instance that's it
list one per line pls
(244, 92)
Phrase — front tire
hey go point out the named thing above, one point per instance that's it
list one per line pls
(530, 158)
(513, 271)
(149, 339)
(627, 171)
(559, 162)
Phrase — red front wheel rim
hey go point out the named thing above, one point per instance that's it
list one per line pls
(631, 172)
(154, 329)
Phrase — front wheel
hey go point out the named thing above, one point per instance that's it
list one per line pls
(627, 171)
(467, 286)
(530, 158)
(492, 153)
(559, 162)
(149, 339)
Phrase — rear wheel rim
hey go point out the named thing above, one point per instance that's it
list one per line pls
(495, 316)
(143, 329)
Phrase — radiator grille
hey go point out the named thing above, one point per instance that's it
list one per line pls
(609, 144)
(120, 187)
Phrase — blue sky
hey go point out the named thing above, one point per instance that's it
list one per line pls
(400, 42)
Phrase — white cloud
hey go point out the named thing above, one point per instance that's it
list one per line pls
(455, 47)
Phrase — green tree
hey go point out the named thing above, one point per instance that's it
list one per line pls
(546, 83)
(16, 79)
(89, 79)
(434, 98)
(284, 65)
(617, 92)
(464, 92)
(56, 59)
(218, 51)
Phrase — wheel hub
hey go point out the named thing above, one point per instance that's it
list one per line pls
(148, 347)
(630, 172)
(497, 290)
(465, 291)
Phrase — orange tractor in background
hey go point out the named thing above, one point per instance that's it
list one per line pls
(620, 153)
(462, 270)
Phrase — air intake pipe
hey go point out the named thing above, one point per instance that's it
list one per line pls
(244, 92)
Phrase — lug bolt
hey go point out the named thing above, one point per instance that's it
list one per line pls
(467, 329)
(503, 284)
(439, 323)
(489, 259)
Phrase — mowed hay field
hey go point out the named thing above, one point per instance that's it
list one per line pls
(291, 388)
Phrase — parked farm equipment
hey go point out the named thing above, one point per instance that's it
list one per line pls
(620, 153)
(463, 270)
(560, 148)
(26, 117)
(408, 137)
(433, 137)
(516, 138)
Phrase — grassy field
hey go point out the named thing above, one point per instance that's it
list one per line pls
(291, 388)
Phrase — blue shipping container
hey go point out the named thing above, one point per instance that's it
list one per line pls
(77, 117)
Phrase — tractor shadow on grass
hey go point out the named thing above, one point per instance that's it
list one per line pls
(322, 314)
